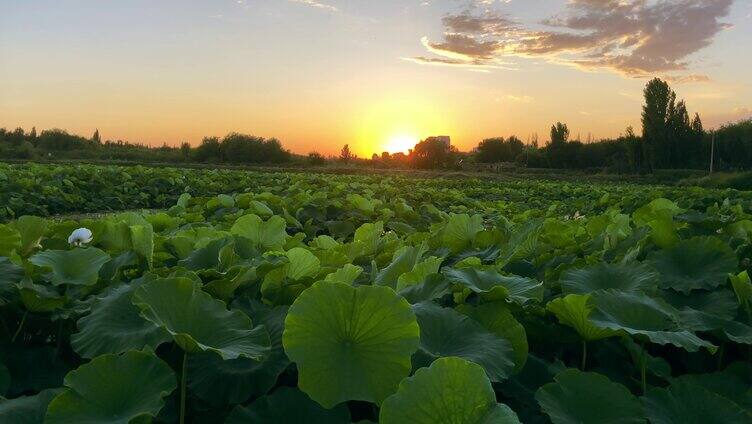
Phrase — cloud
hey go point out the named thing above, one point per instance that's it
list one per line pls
(314, 3)
(636, 38)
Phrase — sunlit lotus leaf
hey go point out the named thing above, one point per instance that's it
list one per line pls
(578, 397)
(350, 343)
(697, 263)
(445, 332)
(79, 266)
(266, 235)
(625, 277)
(574, 310)
(460, 231)
(450, 391)
(113, 389)
(288, 405)
(198, 322)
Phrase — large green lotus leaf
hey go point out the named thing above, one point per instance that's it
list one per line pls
(578, 397)
(519, 289)
(222, 382)
(434, 287)
(496, 317)
(460, 231)
(115, 325)
(302, 264)
(686, 403)
(31, 228)
(350, 343)
(27, 409)
(703, 310)
(142, 241)
(198, 322)
(603, 276)
(113, 389)
(574, 310)
(697, 263)
(79, 266)
(10, 240)
(446, 332)
(40, 298)
(267, 235)
(733, 383)
(288, 405)
(656, 209)
(640, 315)
(450, 391)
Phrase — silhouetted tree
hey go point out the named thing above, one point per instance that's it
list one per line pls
(559, 133)
(656, 115)
(96, 138)
(345, 155)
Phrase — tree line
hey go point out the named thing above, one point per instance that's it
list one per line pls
(234, 148)
(669, 140)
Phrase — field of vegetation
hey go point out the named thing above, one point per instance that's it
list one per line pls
(209, 296)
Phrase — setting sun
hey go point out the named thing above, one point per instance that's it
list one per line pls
(400, 143)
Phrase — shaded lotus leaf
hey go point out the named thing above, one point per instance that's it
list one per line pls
(445, 332)
(603, 276)
(574, 310)
(733, 383)
(113, 389)
(266, 235)
(79, 266)
(27, 409)
(497, 318)
(40, 298)
(198, 322)
(519, 289)
(10, 240)
(686, 403)
(697, 263)
(450, 391)
(460, 231)
(206, 257)
(288, 405)
(115, 325)
(10, 275)
(350, 343)
(578, 397)
(703, 310)
(434, 287)
(641, 315)
(32, 368)
(222, 382)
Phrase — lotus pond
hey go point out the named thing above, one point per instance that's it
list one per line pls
(244, 297)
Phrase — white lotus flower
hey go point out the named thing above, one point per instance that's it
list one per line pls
(80, 236)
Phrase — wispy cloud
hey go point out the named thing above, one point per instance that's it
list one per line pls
(636, 38)
(316, 4)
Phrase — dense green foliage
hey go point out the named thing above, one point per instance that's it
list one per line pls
(57, 144)
(338, 299)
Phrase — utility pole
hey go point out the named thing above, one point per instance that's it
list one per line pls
(712, 150)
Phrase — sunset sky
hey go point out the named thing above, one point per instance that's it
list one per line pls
(374, 74)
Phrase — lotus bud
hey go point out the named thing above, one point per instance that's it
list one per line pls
(80, 236)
